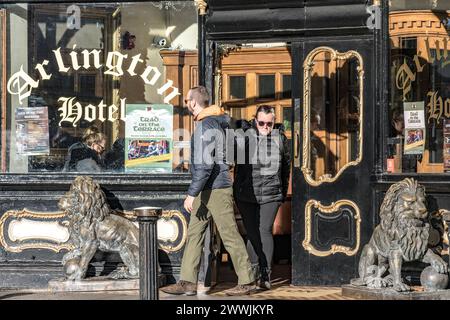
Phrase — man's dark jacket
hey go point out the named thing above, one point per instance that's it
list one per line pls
(208, 166)
(250, 184)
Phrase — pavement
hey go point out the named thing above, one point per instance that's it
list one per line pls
(281, 290)
(281, 293)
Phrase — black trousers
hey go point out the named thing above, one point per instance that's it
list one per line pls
(258, 222)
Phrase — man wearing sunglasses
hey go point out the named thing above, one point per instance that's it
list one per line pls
(261, 185)
(210, 195)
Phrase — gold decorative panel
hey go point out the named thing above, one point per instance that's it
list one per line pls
(327, 210)
(333, 114)
(26, 229)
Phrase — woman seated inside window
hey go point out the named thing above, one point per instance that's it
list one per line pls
(85, 156)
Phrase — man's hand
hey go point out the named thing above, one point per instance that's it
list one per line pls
(188, 203)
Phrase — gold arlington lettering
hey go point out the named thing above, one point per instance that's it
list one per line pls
(437, 107)
(21, 84)
(406, 75)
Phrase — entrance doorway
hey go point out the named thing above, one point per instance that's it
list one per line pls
(333, 143)
(322, 91)
(247, 76)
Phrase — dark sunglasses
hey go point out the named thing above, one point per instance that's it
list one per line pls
(262, 123)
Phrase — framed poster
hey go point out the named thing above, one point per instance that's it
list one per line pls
(32, 131)
(149, 138)
(414, 115)
(446, 145)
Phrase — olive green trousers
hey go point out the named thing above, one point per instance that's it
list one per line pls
(217, 203)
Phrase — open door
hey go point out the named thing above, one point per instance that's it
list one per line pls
(333, 114)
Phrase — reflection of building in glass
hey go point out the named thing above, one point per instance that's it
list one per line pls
(420, 71)
(88, 65)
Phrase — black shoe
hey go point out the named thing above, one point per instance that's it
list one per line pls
(264, 279)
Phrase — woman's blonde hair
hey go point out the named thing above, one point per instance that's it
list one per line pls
(93, 135)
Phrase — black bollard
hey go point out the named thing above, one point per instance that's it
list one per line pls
(148, 252)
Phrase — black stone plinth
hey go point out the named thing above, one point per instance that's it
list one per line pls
(390, 294)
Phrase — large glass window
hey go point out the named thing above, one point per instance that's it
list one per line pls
(97, 87)
(333, 108)
(419, 108)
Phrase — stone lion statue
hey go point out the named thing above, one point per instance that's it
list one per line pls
(402, 235)
(94, 227)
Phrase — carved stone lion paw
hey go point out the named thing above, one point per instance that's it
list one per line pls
(122, 273)
(76, 275)
(401, 287)
(439, 265)
(377, 283)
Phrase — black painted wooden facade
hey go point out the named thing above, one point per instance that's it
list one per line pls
(306, 24)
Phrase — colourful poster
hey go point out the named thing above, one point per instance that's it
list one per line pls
(32, 131)
(414, 115)
(149, 138)
(446, 145)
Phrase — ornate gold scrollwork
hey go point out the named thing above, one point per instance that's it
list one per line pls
(222, 50)
(330, 209)
(23, 214)
(43, 216)
(167, 215)
(307, 68)
(201, 6)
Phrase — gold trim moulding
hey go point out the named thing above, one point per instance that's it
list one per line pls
(307, 67)
(166, 215)
(334, 207)
(25, 213)
(201, 6)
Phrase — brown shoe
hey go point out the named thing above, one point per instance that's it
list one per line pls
(241, 290)
(181, 287)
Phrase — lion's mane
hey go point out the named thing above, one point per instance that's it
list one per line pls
(90, 198)
(412, 239)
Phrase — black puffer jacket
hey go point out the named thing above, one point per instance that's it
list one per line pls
(81, 158)
(208, 166)
(264, 181)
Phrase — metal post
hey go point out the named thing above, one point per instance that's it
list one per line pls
(148, 252)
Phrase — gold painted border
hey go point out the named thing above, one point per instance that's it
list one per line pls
(201, 6)
(307, 67)
(168, 215)
(25, 213)
(330, 209)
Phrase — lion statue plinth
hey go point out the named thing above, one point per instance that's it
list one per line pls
(92, 227)
(402, 235)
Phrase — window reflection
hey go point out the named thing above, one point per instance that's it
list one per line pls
(98, 63)
(334, 114)
(420, 72)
